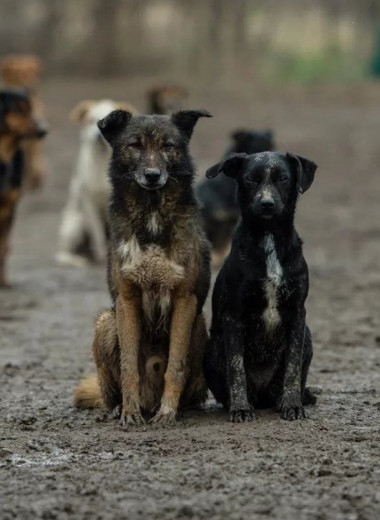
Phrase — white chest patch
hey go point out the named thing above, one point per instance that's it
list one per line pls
(149, 268)
(153, 223)
(271, 316)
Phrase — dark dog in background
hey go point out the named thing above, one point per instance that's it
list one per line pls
(166, 100)
(217, 198)
(261, 347)
(149, 347)
(24, 72)
(16, 125)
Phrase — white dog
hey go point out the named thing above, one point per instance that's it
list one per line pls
(84, 227)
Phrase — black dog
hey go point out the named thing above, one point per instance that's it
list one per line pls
(220, 210)
(261, 347)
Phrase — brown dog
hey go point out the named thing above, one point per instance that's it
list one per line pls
(16, 124)
(166, 100)
(148, 348)
(24, 71)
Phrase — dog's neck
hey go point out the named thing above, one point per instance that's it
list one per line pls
(258, 229)
(152, 215)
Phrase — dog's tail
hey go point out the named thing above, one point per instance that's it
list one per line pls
(87, 393)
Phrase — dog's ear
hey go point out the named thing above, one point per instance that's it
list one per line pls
(185, 120)
(81, 110)
(305, 171)
(230, 166)
(111, 125)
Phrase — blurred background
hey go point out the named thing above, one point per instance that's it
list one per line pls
(292, 40)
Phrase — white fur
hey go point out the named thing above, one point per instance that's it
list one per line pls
(86, 209)
(273, 280)
(153, 224)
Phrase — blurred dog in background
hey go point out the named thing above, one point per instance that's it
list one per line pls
(84, 228)
(17, 123)
(220, 210)
(165, 100)
(24, 71)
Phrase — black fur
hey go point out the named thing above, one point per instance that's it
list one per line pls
(261, 347)
(220, 210)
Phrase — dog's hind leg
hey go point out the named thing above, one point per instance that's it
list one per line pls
(106, 354)
(196, 388)
(214, 369)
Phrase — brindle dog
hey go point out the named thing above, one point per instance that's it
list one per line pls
(148, 348)
(16, 124)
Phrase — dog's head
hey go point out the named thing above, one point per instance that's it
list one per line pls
(167, 99)
(88, 112)
(16, 117)
(268, 182)
(150, 150)
(251, 141)
(20, 70)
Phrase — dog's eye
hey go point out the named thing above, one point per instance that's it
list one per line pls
(253, 180)
(283, 179)
(167, 147)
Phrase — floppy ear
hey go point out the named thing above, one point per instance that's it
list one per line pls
(111, 125)
(80, 111)
(305, 171)
(185, 120)
(230, 166)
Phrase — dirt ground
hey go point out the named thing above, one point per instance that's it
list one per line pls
(56, 462)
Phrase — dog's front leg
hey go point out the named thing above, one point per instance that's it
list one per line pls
(184, 312)
(129, 334)
(290, 403)
(233, 335)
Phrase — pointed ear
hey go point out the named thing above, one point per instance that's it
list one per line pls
(305, 171)
(230, 166)
(239, 135)
(111, 125)
(80, 111)
(185, 120)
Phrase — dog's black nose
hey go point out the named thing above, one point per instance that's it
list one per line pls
(267, 203)
(152, 174)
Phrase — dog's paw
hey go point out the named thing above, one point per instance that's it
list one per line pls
(239, 416)
(131, 419)
(165, 415)
(293, 413)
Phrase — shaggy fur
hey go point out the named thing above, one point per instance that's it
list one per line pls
(24, 71)
(16, 124)
(217, 198)
(261, 347)
(148, 348)
(84, 229)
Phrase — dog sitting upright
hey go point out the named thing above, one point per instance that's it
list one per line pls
(16, 125)
(220, 210)
(148, 349)
(261, 347)
(84, 228)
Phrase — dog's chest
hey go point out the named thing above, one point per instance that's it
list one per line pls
(272, 284)
(149, 267)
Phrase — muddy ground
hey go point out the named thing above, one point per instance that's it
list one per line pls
(56, 462)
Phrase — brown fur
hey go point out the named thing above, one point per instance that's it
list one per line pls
(24, 71)
(8, 203)
(166, 99)
(149, 348)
